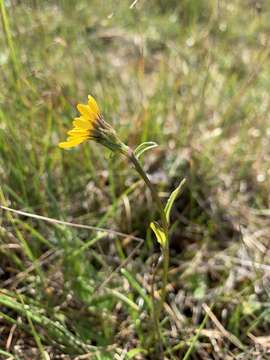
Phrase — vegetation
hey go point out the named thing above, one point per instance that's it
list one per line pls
(80, 269)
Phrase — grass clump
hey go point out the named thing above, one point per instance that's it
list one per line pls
(190, 76)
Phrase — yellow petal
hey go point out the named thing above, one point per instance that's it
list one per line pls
(77, 136)
(86, 112)
(71, 143)
(83, 124)
(78, 132)
(93, 104)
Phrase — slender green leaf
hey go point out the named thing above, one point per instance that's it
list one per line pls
(124, 299)
(137, 286)
(144, 147)
(134, 352)
(34, 332)
(196, 337)
(174, 195)
(8, 355)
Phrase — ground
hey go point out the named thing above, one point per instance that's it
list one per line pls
(192, 76)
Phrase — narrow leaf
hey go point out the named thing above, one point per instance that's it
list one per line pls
(137, 286)
(134, 352)
(144, 147)
(174, 195)
(159, 232)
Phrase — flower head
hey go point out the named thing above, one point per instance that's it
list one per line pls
(91, 126)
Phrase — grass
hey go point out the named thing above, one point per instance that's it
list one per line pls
(193, 77)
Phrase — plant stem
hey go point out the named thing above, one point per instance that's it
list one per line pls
(148, 183)
(165, 226)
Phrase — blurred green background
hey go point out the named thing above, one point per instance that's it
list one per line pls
(192, 76)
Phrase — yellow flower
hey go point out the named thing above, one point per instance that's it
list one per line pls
(84, 126)
(91, 126)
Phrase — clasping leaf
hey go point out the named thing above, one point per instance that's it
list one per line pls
(159, 232)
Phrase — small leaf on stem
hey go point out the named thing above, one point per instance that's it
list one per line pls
(174, 195)
(159, 232)
(144, 147)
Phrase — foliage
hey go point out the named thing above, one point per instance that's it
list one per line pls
(191, 76)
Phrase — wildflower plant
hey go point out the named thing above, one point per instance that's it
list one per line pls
(90, 125)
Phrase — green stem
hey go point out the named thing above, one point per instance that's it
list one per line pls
(148, 183)
(165, 226)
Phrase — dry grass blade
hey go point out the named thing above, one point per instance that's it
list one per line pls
(232, 338)
(67, 223)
